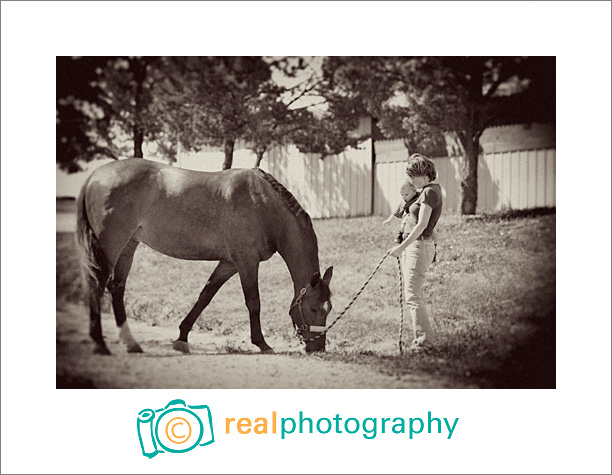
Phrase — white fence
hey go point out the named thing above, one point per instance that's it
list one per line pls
(343, 186)
(337, 186)
(210, 159)
(506, 180)
(517, 180)
(348, 184)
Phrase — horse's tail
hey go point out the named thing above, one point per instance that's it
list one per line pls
(90, 251)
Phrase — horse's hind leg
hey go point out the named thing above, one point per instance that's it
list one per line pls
(220, 276)
(116, 288)
(96, 284)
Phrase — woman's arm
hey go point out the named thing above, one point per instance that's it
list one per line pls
(424, 215)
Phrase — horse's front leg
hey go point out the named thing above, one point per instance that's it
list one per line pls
(220, 276)
(250, 287)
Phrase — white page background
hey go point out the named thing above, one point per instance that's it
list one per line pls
(566, 430)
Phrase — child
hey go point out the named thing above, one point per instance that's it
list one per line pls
(409, 196)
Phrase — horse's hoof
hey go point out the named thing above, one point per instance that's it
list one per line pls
(101, 350)
(135, 348)
(181, 346)
(268, 351)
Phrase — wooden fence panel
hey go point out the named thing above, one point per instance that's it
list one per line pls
(524, 177)
(337, 186)
(532, 188)
(506, 180)
(540, 178)
(341, 186)
(551, 175)
(515, 180)
(521, 180)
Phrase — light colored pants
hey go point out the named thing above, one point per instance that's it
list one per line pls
(416, 260)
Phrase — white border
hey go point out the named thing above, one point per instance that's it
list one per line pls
(562, 430)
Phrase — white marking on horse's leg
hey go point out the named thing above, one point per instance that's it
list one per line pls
(126, 336)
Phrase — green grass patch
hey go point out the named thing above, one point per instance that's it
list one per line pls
(491, 293)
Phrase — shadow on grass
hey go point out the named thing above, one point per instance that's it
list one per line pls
(72, 381)
(531, 364)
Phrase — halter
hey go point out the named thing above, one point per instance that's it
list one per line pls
(302, 326)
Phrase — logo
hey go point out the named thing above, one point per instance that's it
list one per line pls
(176, 428)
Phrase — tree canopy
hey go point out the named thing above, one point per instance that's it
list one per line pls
(430, 101)
(102, 102)
(80, 125)
(188, 102)
(433, 103)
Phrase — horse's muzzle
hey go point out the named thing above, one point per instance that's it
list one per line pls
(317, 345)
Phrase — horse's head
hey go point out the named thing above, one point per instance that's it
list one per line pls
(309, 310)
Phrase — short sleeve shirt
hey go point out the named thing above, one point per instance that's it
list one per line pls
(431, 194)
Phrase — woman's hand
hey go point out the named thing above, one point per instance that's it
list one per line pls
(396, 251)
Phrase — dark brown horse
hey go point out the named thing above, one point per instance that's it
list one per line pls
(236, 217)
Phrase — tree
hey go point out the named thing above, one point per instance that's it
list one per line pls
(207, 100)
(81, 126)
(216, 101)
(419, 97)
(98, 100)
(190, 102)
(275, 118)
(315, 120)
(329, 133)
(126, 85)
(269, 121)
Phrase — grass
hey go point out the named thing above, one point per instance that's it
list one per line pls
(492, 296)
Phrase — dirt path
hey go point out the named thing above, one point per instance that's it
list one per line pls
(207, 367)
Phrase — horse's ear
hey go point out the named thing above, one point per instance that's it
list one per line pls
(314, 280)
(328, 275)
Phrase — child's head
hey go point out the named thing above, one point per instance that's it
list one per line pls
(407, 190)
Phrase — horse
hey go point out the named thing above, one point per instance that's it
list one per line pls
(239, 217)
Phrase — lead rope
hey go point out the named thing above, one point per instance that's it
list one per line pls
(401, 304)
(351, 302)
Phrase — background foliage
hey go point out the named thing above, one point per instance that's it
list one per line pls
(436, 104)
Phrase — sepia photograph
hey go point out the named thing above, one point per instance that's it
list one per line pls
(333, 222)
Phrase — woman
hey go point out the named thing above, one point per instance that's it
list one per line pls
(418, 247)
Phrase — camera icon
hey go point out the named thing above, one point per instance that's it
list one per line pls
(176, 428)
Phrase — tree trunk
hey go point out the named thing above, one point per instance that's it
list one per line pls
(138, 139)
(139, 69)
(259, 154)
(228, 148)
(179, 152)
(410, 146)
(469, 176)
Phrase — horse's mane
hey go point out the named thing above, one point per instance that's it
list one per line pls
(289, 200)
